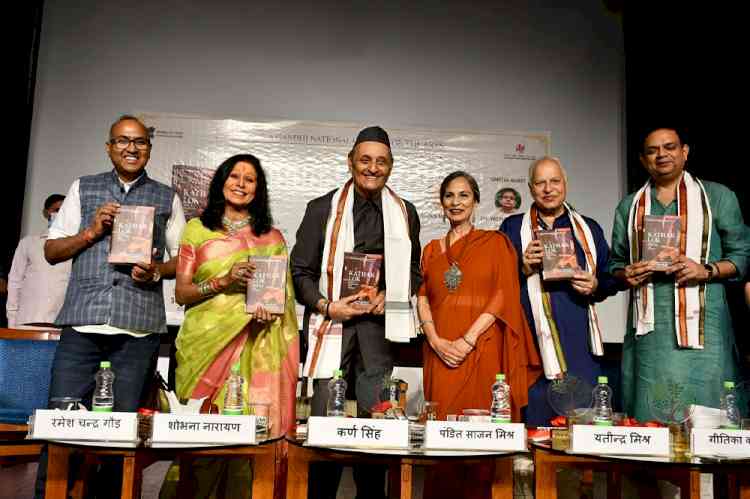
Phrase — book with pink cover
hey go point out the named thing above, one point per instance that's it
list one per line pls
(361, 273)
(268, 284)
(559, 261)
(661, 240)
(132, 235)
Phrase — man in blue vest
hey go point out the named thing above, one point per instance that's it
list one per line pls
(111, 312)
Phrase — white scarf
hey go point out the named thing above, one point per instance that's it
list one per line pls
(697, 224)
(399, 323)
(553, 358)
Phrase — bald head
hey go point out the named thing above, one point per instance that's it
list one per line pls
(548, 185)
(547, 160)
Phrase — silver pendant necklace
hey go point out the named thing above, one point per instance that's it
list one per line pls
(453, 276)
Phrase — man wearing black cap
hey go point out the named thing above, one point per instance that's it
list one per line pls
(363, 216)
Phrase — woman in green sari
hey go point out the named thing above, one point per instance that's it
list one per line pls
(213, 272)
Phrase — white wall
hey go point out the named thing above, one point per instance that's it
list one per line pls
(456, 65)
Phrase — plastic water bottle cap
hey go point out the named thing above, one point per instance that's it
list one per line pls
(500, 377)
(729, 384)
(236, 368)
(105, 364)
(602, 380)
(338, 373)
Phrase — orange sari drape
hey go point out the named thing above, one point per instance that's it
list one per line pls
(490, 284)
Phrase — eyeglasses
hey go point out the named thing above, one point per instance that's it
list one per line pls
(123, 142)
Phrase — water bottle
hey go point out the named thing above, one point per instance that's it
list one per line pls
(233, 398)
(500, 408)
(602, 403)
(730, 413)
(336, 395)
(104, 393)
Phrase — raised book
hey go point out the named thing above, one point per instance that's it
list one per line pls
(361, 274)
(559, 260)
(661, 240)
(132, 235)
(267, 287)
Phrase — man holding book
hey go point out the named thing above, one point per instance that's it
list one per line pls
(679, 328)
(563, 257)
(112, 311)
(364, 216)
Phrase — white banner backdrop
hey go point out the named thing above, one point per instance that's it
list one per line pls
(305, 159)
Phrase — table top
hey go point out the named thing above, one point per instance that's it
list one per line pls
(412, 452)
(167, 446)
(686, 461)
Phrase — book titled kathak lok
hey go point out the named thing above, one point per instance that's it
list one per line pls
(559, 260)
(361, 274)
(267, 287)
(132, 235)
(661, 240)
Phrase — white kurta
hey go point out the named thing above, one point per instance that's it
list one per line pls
(36, 289)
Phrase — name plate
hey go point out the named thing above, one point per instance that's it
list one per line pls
(203, 429)
(720, 442)
(357, 432)
(451, 435)
(623, 440)
(84, 426)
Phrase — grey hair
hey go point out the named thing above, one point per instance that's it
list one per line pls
(537, 162)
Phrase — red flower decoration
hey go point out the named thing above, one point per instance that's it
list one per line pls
(559, 421)
(381, 407)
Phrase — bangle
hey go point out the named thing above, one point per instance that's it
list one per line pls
(472, 345)
(422, 323)
(208, 287)
(328, 304)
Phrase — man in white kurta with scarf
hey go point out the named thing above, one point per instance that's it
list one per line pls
(364, 216)
(679, 327)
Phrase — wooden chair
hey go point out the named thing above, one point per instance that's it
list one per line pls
(25, 365)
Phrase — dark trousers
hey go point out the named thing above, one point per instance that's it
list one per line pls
(76, 362)
(366, 358)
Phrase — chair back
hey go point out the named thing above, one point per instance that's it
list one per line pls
(25, 370)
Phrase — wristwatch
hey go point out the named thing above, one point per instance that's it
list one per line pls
(710, 270)
(156, 276)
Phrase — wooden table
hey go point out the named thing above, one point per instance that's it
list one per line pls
(267, 457)
(400, 462)
(684, 474)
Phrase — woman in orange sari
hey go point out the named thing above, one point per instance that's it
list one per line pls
(470, 310)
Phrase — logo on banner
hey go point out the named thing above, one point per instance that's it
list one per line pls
(520, 148)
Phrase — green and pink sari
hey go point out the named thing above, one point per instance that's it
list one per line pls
(217, 332)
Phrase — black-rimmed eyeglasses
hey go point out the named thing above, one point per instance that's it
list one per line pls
(123, 142)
